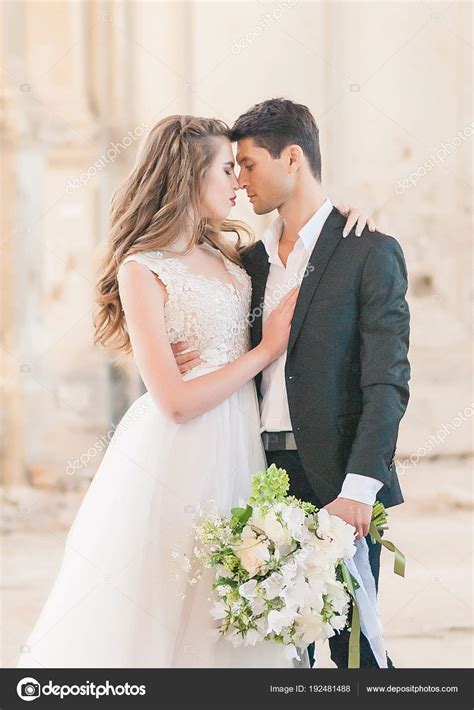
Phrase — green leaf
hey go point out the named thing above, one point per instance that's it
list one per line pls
(240, 516)
(246, 514)
(226, 580)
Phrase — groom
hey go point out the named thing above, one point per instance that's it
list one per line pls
(332, 404)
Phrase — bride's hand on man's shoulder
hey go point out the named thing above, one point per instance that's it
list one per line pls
(355, 218)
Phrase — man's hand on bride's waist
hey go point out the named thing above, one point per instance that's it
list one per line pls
(185, 361)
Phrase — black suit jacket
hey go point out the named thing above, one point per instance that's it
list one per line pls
(347, 369)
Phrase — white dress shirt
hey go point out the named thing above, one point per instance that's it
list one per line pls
(275, 414)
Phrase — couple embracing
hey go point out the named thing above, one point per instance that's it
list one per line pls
(289, 350)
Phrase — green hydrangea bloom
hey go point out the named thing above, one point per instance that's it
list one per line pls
(269, 487)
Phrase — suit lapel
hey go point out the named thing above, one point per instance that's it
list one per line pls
(331, 235)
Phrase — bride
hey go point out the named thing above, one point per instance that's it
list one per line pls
(123, 596)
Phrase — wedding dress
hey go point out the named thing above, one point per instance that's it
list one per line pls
(122, 597)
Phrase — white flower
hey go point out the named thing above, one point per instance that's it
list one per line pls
(252, 554)
(294, 518)
(278, 620)
(271, 526)
(328, 631)
(291, 653)
(289, 570)
(298, 593)
(339, 533)
(257, 606)
(310, 626)
(223, 590)
(273, 585)
(218, 611)
(221, 571)
(248, 533)
(248, 590)
(337, 595)
(318, 588)
(338, 622)
(273, 529)
(236, 638)
(251, 637)
(237, 607)
(301, 581)
(262, 625)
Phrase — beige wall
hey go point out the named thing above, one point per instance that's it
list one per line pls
(389, 84)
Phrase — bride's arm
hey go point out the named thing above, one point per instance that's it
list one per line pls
(143, 297)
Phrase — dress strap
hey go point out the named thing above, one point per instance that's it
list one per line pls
(169, 271)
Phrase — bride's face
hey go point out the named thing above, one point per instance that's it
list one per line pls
(221, 184)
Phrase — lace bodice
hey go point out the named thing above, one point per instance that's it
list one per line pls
(207, 313)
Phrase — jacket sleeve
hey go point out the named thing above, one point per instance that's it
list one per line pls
(385, 371)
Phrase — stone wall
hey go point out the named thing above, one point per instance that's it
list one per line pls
(389, 85)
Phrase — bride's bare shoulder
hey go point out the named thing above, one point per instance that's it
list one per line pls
(135, 277)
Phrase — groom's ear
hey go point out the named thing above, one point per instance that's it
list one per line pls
(294, 156)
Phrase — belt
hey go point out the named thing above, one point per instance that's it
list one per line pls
(278, 441)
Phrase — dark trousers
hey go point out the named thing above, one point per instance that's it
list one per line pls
(301, 488)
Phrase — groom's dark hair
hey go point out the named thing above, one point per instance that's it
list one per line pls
(278, 123)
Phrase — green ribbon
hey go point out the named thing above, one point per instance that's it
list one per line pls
(379, 517)
(399, 560)
(354, 637)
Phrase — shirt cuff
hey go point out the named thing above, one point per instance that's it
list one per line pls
(360, 488)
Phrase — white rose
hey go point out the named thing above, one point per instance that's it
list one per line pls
(252, 554)
(274, 530)
(256, 519)
(248, 533)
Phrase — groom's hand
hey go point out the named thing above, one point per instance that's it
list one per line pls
(351, 511)
(185, 361)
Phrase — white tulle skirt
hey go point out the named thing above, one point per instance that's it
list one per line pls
(120, 599)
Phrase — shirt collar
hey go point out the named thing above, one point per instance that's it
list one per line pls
(308, 233)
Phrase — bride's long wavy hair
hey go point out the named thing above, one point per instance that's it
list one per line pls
(153, 207)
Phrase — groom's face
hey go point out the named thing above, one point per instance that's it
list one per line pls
(267, 181)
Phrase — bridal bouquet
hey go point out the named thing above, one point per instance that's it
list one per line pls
(280, 572)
